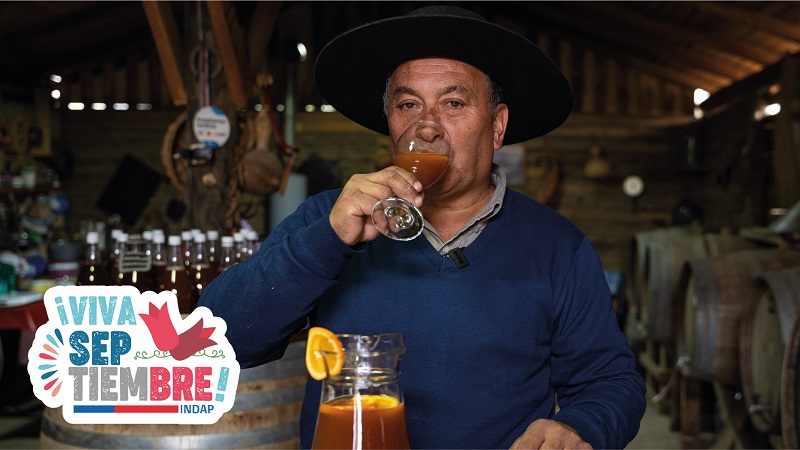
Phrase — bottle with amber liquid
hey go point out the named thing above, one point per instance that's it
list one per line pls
(158, 258)
(186, 247)
(172, 276)
(114, 250)
(134, 265)
(212, 247)
(93, 272)
(120, 243)
(240, 246)
(227, 257)
(200, 272)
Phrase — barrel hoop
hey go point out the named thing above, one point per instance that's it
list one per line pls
(268, 399)
(275, 369)
(784, 288)
(706, 328)
(291, 363)
(238, 439)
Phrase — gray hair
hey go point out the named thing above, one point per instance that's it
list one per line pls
(493, 88)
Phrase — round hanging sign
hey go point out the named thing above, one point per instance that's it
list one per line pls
(211, 127)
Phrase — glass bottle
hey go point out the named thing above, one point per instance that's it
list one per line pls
(120, 243)
(200, 273)
(239, 246)
(147, 235)
(113, 254)
(255, 241)
(227, 256)
(186, 246)
(251, 238)
(134, 264)
(158, 259)
(172, 276)
(212, 238)
(362, 406)
(93, 272)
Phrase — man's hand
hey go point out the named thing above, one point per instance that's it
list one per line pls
(351, 216)
(549, 434)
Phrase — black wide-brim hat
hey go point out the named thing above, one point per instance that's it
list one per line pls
(351, 71)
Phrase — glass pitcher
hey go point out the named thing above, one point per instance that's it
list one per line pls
(362, 407)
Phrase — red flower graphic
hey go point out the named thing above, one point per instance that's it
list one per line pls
(180, 346)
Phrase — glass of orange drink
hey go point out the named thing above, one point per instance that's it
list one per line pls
(361, 405)
(424, 150)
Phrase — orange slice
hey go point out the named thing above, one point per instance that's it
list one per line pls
(324, 354)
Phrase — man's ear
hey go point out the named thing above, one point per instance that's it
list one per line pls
(499, 123)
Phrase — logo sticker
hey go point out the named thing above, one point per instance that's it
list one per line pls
(113, 355)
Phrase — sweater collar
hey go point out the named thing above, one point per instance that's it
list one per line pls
(473, 228)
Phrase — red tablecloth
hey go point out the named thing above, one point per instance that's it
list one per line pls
(26, 317)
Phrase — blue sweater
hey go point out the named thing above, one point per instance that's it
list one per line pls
(489, 346)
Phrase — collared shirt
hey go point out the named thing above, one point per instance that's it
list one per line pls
(473, 228)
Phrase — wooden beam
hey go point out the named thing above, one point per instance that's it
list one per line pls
(231, 48)
(261, 27)
(769, 24)
(756, 58)
(168, 44)
(749, 85)
(652, 49)
(689, 77)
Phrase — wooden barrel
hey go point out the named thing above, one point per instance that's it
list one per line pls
(642, 245)
(766, 330)
(790, 390)
(708, 315)
(265, 414)
(666, 259)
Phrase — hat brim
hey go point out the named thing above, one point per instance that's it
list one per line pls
(351, 71)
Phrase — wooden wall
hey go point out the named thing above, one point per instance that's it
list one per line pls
(98, 141)
(642, 124)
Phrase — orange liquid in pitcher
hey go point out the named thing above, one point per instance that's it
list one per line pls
(427, 167)
(383, 424)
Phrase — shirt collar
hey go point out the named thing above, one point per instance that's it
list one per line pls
(473, 228)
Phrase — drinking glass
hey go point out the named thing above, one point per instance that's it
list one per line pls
(424, 150)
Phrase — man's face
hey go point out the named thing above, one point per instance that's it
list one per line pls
(456, 95)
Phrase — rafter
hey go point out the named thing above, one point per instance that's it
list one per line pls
(767, 23)
(689, 78)
(168, 44)
(757, 57)
(640, 47)
(261, 26)
(231, 48)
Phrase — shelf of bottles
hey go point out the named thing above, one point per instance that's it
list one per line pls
(183, 263)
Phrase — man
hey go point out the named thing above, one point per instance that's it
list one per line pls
(511, 336)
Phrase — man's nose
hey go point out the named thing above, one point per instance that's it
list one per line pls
(428, 133)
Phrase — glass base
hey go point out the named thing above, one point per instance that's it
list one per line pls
(397, 219)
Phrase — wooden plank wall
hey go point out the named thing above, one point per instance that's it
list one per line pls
(97, 142)
(641, 123)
